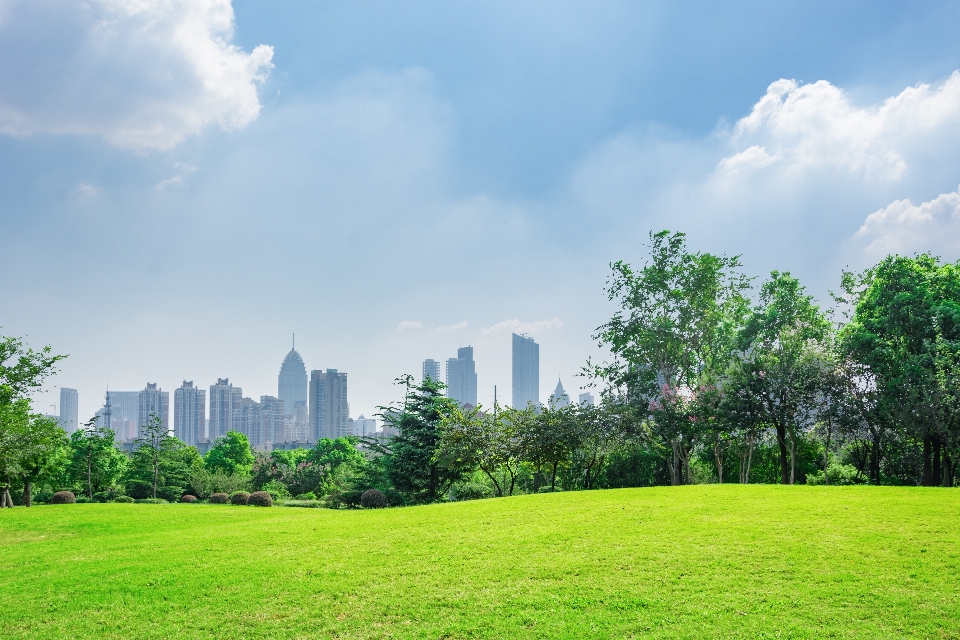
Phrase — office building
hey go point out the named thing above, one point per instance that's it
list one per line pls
(69, 410)
(153, 401)
(225, 404)
(586, 399)
(120, 413)
(559, 398)
(189, 413)
(431, 369)
(292, 384)
(462, 377)
(329, 411)
(365, 427)
(271, 421)
(526, 372)
(248, 422)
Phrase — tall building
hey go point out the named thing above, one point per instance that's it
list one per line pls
(329, 411)
(462, 377)
(586, 399)
(431, 369)
(271, 422)
(121, 413)
(365, 426)
(292, 383)
(249, 421)
(225, 403)
(189, 413)
(153, 400)
(69, 409)
(526, 372)
(559, 398)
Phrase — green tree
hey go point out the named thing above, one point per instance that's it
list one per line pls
(230, 454)
(95, 460)
(160, 464)
(471, 439)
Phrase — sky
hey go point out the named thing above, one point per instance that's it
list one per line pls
(184, 184)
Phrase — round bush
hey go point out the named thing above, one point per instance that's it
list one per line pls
(373, 499)
(239, 497)
(63, 497)
(260, 499)
(219, 498)
(188, 498)
(124, 499)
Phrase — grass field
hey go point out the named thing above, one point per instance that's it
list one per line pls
(688, 562)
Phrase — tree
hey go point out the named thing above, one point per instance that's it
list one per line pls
(676, 324)
(95, 459)
(156, 451)
(471, 439)
(412, 464)
(230, 454)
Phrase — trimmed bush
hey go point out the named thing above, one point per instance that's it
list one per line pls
(124, 499)
(188, 498)
(43, 497)
(151, 501)
(219, 498)
(309, 495)
(373, 499)
(63, 497)
(239, 497)
(310, 504)
(471, 491)
(260, 499)
(104, 496)
(394, 497)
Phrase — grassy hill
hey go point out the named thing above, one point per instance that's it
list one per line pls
(699, 561)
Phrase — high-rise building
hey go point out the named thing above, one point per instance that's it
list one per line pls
(153, 401)
(329, 411)
(526, 372)
(586, 399)
(365, 426)
(271, 422)
(431, 369)
(189, 413)
(121, 413)
(69, 409)
(292, 383)
(249, 421)
(225, 403)
(559, 398)
(462, 377)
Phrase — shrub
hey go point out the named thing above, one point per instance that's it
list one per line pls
(105, 496)
(187, 498)
(277, 490)
(394, 497)
(42, 497)
(550, 490)
(309, 495)
(63, 497)
(124, 499)
(83, 500)
(306, 503)
(260, 499)
(373, 499)
(151, 501)
(219, 498)
(239, 497)
(471, 491)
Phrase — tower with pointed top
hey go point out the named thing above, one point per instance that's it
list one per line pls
(559, 398)
(292, 384)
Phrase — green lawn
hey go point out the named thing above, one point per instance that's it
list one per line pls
(690, 562)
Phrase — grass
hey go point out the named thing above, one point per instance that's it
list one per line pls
(686, 562)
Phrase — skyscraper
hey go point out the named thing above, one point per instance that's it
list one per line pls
(431, 369)
(153, 401)
(526, 372)
(69, 409)
(462, 377)
(329, 411)
(559, 398)
(586, 399)
(270, 421)
(121, 413)
(189, 413)
(292, 383)
(366, 426)
(225, 403)
(249, 421)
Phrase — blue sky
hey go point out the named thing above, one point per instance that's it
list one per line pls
(184, 184)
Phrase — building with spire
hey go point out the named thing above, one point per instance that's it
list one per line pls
(292, 385)
(559, 398)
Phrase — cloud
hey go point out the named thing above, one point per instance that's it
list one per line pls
(516, 326)
(176, 180)
(452, 327)
(142, 74)
(409, 324)
(86, 189)
(903, 227)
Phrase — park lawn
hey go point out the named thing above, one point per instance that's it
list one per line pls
(670, 562)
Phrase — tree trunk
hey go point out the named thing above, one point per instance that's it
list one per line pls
(676, 470)
(3, 498)
(784, 465)
(27, 493)
(495, 483)
(89, 473)
(926, 478)
(826, 457)
(553, 477)
(947, 470)
(156, 471)
(935, 466)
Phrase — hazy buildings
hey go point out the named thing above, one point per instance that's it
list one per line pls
(153, 401)
(367, 426)
(69, 409)
(586, 399)
(462, 377)
(526, 371)
(431, 369)
(271, 422)
(189, 413)
(120, 412)
(329, 411)
(292, 385)
(559, 398)
(225, 408)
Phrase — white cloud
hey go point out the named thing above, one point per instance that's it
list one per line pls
(409, 324)
(177, 179)
(516, 326)
(452, 327)
(143, 74)
(87, 190)
(903, 227)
